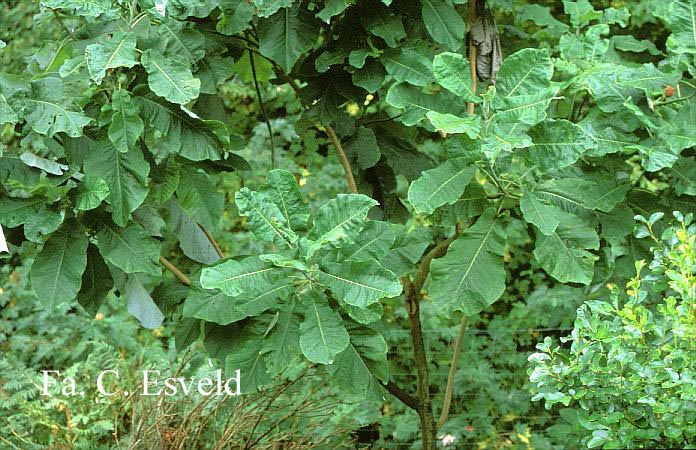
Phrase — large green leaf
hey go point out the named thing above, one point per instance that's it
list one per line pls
(51, 109)
(360, 283)
(527, 109)
(358, 368)
(443, 22)
(12, 91)
(90, 193)
(385, 24)
(286, 35)
(192, 240)
(237, 15)
(141, 305)
(124, 173)
(173, 130)
(363, 146)
(111, 52)
(126, 125)
(283, 190)
(558, 143)
(96, 281)
(248, 356)
(264, 218)
(541, 214)
(322, 332)
(412, 100)
(563, 254)
(198, 196)
(451, 124)
(453, 73)
(212, 306)
(56, 274)
(250, 275)
(681, 16)
(89, 8)
(407, 65)
(170, 78)
(441, 185)
(373, 242)
(284, 341)
(525, 72)
(340, 219)
(684, 175)
(130, 249)
(470, 277)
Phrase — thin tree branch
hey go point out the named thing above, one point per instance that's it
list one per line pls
(344, 159)
(425, 407)
(173, 269)
(262, 107)
(452, 372)
(212, 240)
(405, 397)
(472, 53)
(329, 132)
(436, 252)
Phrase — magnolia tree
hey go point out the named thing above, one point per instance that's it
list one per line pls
(550, 151)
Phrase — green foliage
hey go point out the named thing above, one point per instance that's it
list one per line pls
(139, 134)
(628, 370)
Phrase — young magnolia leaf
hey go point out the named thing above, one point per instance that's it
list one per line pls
(451, 124)
(170, 78)
(264, 217)
(284, 191)
(130, 249)
(525, 72)
(441, 185)
(443, 22)
(453, 73)
(126, 125)
(91, 192)
(563, 254)
(470, 277)
(359, 283)
(340, 220)
(141, 305)
(286, 35)
(251, 275)
(124, 173)
(544, 216)
(118, 51)
(56, 274)
(322, 332)
(558, 143)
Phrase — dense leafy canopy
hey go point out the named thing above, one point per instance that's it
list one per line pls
(116, 142)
